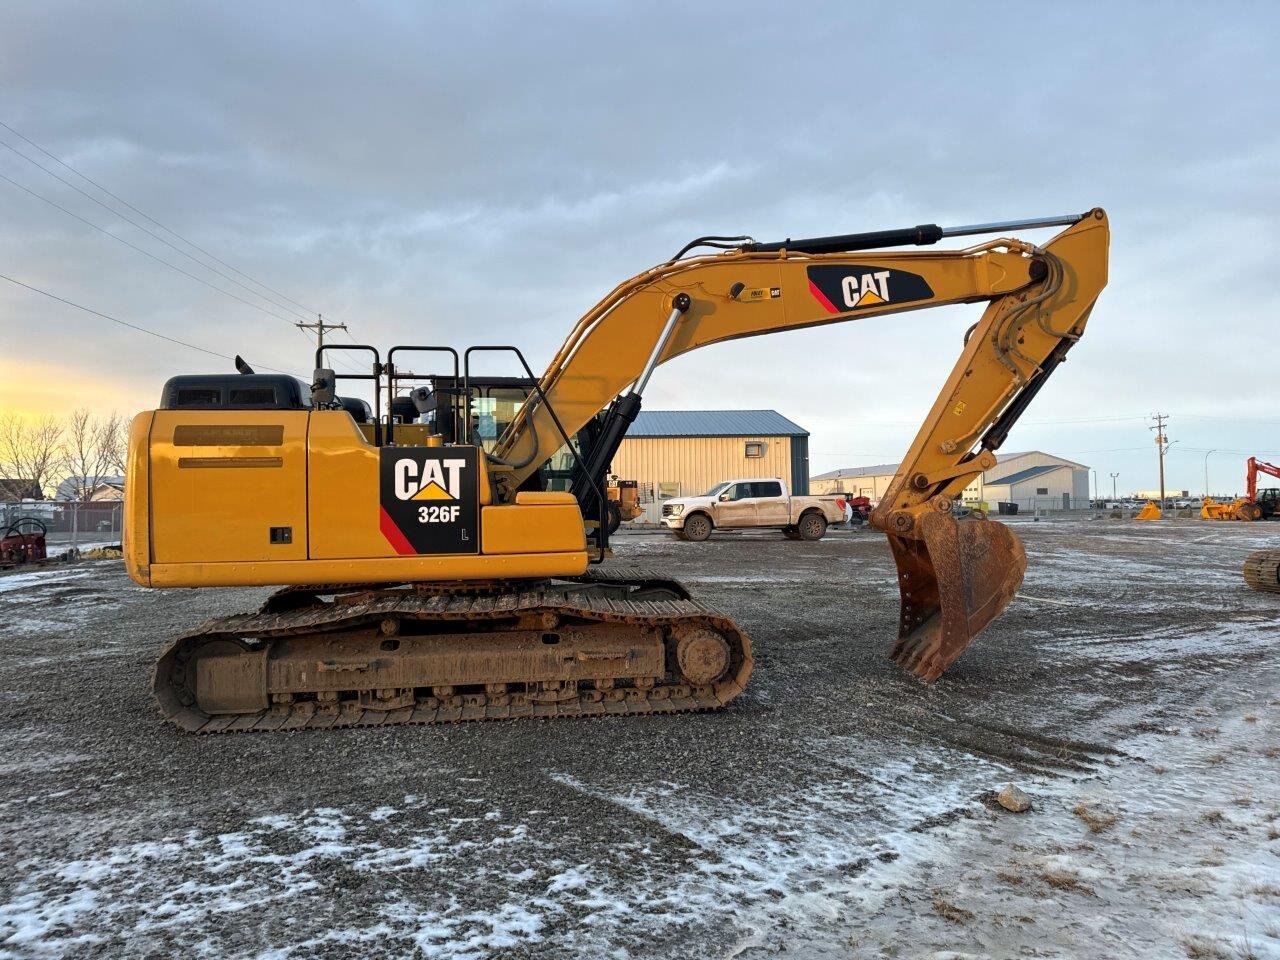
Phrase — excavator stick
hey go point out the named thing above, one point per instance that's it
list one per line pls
(955, 578)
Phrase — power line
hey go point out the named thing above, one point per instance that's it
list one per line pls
(143, 251)
(150, 233)
(147, 216)
(131, 326)
(1198, 416)
(1034, 423)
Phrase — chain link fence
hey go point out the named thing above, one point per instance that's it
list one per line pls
(71, 523)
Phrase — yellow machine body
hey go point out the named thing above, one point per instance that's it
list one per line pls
(208, 488)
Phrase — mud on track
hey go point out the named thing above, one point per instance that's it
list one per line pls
(838, 808)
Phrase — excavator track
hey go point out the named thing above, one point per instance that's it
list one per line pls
(610, 642)
(1262, 570)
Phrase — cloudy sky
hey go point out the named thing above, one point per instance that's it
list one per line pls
(470, 173)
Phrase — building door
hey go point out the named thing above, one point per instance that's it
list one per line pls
(1066, 501)
(735, 507)
(772, 508)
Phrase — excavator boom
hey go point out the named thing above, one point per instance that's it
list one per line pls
(955, 577)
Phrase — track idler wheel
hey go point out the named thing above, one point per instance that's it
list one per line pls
(955, 578)
(702, 655)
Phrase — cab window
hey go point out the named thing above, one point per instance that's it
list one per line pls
(766, 488)
(492, 410)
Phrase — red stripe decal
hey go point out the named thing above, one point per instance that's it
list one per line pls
(392, 533)
(822, 298)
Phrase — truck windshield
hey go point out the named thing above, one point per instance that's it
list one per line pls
(716, 490)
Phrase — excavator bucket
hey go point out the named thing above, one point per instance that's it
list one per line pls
(1149, 512)
(955, 578)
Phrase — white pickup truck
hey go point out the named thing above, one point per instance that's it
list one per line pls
(735, 504)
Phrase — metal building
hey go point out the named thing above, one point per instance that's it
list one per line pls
(1033, 479)
(672, 453)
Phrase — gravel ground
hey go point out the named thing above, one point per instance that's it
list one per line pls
(839, 808)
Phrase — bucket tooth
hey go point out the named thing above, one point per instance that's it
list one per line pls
(955, 577)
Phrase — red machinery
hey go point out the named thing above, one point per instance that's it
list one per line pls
(1269, 501)
(1255, 504)
(18, 547)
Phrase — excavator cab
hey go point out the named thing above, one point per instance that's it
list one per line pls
(1269, 502)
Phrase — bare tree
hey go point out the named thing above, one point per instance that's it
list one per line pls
(90, 445)
(31, 449)
(116, 442)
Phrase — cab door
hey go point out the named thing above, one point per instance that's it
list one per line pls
(772, 508)
(735, 507)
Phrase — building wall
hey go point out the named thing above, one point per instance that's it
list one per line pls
(799, 465)
(1080, 484)
(989, 488)
(872, 486)
(1026, 494)
(1068, 479)
(685, 466)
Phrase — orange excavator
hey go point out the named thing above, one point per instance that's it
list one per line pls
(1255, 504)
(432, 573)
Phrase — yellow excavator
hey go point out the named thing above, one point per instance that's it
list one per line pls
(431, 569)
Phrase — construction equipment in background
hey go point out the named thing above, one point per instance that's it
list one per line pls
(1255, 504)
(1211, 509)
(1241, 508)
(1266, 501)
(433, 578)
(23, 542)
(623, 498)
(859, 508)
(1150, 511)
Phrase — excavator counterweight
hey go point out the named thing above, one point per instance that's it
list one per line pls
(439, 560)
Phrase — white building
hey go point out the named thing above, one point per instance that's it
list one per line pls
(1033, 479)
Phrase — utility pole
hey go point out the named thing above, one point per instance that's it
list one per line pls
(1113, 486)
(1095, 486)
(1162, 447)
(320, 327)
(1206, 471)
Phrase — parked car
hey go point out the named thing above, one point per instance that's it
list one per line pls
(738, 504)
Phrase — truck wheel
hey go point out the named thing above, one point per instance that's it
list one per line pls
(812, 526)
(791, 533)
(697, 527)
